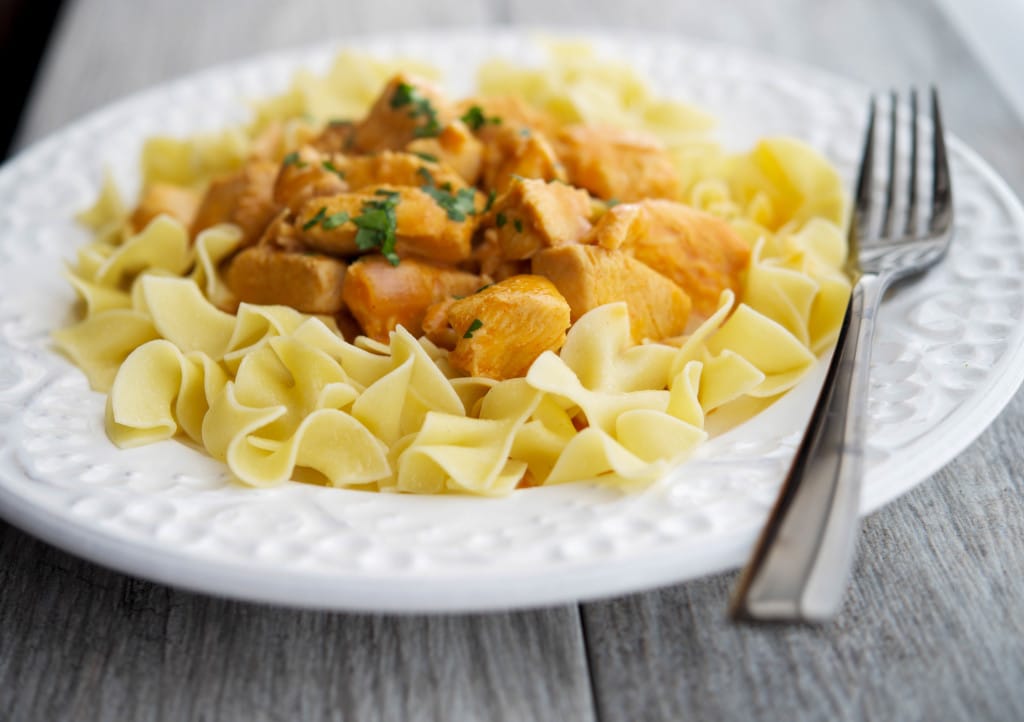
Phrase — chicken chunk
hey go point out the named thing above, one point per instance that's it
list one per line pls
(457, 147)
(700, 252)
(408, 108)
(535, 214)
(306, 174)
(502, 329)
(338, 136)
(588, 277)
(381, 296)
(306, 282)
(245, 198)
(395, 169)
(165, 199)
(619, 164)
(510, 152)
(509, 111)
(489, 259)
(422, 227)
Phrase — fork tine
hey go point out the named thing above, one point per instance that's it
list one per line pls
(862, 200)
(890, 187)
(942, 195)
(910, 226)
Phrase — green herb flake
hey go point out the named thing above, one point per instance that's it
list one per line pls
(421, 107)
(483, 288)
(315, 219)
(429, 157)
(457, 205)
(473, 328)
(518, 224)
(333, 221)
(500, 220)
(525, 132)
(378, 224)
(329, 166)
(293, 159)
(612, 202)
(490, 199)
(475, 118)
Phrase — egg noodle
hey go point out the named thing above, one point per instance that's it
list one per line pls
(279, 395)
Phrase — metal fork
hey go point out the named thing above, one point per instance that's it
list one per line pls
(801, 564)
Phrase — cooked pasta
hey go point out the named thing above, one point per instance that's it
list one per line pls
(617, 386)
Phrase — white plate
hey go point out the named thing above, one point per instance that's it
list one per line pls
(949, 355)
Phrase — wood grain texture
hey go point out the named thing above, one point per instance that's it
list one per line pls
(80, 642)
(931, 629)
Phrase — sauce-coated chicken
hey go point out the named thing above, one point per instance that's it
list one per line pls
(589, 276)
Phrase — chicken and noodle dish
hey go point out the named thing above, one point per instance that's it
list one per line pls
(377, 285)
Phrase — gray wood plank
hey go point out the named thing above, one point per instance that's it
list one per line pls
(80, 642)
(931, 629)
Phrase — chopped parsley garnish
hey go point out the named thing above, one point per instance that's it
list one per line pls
(406, 94)
(328, 165)
(518, 224)
(333, 221)
(339, 123)
(612, 202)
(315, 219)
(457, 205)
(426, 156)
(525, 132)
(473, 328)
(490, 199)
(377, 225)
(293, 159)
(500, 220)
(475, 118)
(483, 288)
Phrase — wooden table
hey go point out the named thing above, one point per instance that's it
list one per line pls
(933, 628)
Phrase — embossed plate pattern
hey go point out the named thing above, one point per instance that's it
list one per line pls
(948, 357)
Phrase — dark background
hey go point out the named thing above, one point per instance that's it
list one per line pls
(25, 28)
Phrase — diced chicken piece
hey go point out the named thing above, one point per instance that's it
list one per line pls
(306, 282)
(165, 199)
(381, 296)
(588, 277)
(614, 163)
(281, 235)
(422, 227)
(621, 225)
(501, 330)
(535, 214)
(456, 147)
(508, 111)
(700, 252)
(509, 152)
(245, 198)
(306, 174)
(488, 257)
(395, 169)
(435, 324)
(338, 136)
(408, 108)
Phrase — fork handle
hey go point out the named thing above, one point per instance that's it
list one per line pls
(801, 564)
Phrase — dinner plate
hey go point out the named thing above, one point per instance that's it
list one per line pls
(948, 357)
